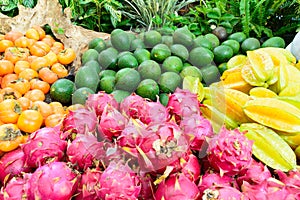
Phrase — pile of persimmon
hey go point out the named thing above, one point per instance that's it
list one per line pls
(29, 64)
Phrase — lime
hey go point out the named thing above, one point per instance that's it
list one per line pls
(108, 58)
(107, 84)
(169, 81)
(94, 65)
(152, 38)
(137, 43)
(127, 79)
(87, 77)
(235, 46)
(191, 71)
(164, 98)
(160, 52)
(141, 55)
(213, 39)
(237, 61)
(222, 53)
(90, 54)
(202, 41)
(201, 56)
(237, 36)
(148, 88)
(180, 51)
(274, 42)
(183, 36)
(120, 95)
(149, 69)
(250, 44)
(120, 40)
(62, 90)
(210, 74)
(80, 95)
(107, 72)
(127, 60)
(172, 64)
(98, 44)
(167, 40)
(222, 67)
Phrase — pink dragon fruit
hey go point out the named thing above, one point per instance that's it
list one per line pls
(183, 103)
(53, 181)
(256, 173)
(112, 123)
(153, 112)
(198, 128)
(147, 187)
(12, 164)
(131, 136)
(17, 188)
(177, 187)
(85, 151)
(223, 193)
(162, 147)
(118, 181)
(292, 181)
(89, 186)
(229, 151)
(132, 105)
(98, 101)
(79, 122)
(191, 167)
(270, 188)
(42, 146)
(211, 179)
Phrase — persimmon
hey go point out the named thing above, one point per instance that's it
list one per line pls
(32, 34)
(6, 79)
(9, 93)
(47, 75)
(66, 56)
(21, 85)
(39, 48)
(10, 109)
(35, 95)
(44, 108)
(39, 63)
(54, 120)
(25, 103)
(28, 74)
(15, 54)
(60, 70)
(6, 67)
(57, 107)
(21, 65)
(22, 42)
(13, 35)
(36, 83)
(48, 39)
(51, 57)
(41, 31)
(30, 121)
(4, 44)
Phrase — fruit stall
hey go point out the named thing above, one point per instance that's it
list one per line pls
(201, 100)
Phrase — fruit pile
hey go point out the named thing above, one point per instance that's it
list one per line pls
(30, 63)
(140, 149)
(154, 63)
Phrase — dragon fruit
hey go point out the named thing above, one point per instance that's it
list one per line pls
(89, 186)
(270, 188)
(191, 167)
(85, 151)
(42, 146)
(118, 181)
(98, 101)
(223, 193)
(198, 128)
(79, 122)
(131, 136)
(147, 187)
(112, 123)
(211, 179)
(256, 173)
(162, 147)
(292, 181)
(53, 181)
(229, 151)
(153, 112)
(177, 187)
(12, 164)
(183, 103)
(17, 188)
(132, 105)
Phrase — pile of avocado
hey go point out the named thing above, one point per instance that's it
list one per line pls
(153, 64)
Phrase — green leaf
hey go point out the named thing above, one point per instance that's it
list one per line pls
(215, 13)
(29, 3)
(245, 16)
(269, 147)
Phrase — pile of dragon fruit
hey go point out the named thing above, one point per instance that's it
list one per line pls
(138, 149)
